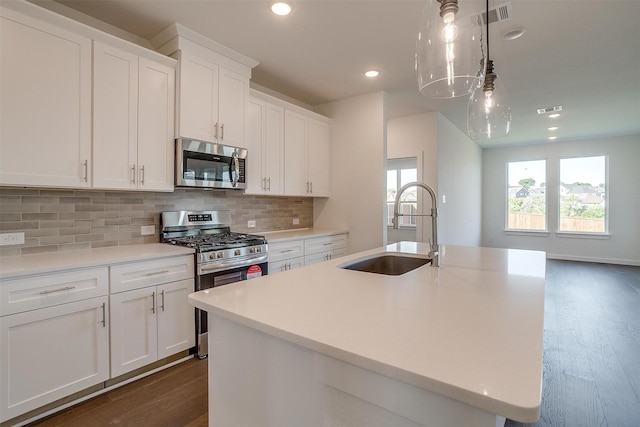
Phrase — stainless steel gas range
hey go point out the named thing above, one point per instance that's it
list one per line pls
(222, 256)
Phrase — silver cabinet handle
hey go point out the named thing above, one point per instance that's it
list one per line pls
(104, 315)
(269, 183)
(310, 186)
(162, 296)
(222, 132)
(155, 273)
(141, 179)
(85, 166)
(215, 131)
(264, 183)
(133, 174)
(307, 186)
(153, 302)
(289, 266)
(66, 288)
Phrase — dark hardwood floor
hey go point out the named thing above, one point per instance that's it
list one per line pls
(591, 362)
(591, 346)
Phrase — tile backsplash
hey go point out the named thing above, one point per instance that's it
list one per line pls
(62, 220)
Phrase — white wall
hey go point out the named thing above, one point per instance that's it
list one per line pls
(460, 182)
(358, 147)
(416, 136)
(452, 165)
(622, 247)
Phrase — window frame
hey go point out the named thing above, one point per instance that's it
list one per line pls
(399, 164)
(584, 234)
(521, 231)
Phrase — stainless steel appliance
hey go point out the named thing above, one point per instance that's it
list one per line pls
(222, 256)
(207, 165)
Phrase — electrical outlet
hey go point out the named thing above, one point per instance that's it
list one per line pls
(296, 221)
(444, 199)
(251, 224)
(147, 230)
(11, 239)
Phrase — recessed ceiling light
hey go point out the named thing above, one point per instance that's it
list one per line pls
(280, 8)
(553, 116)
(551, 138)
(553, 128)
(514, 34)
(372, 73)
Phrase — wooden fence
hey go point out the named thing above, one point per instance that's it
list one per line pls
(525, 221)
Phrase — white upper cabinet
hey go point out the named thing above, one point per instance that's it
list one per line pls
(306, 155)
(133, 121)
(213, 87)
(265, 143)
(49, 134)
(45, 82)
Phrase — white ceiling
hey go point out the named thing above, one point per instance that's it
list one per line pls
(581, 54)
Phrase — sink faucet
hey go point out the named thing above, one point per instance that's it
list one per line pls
(434, 252)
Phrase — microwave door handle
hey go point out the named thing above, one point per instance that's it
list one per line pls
(236, 167)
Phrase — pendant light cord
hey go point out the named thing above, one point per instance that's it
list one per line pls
(486, 17)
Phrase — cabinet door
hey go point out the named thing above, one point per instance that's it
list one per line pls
(285, 265)
(156, 96)
(295, 154)
(115, 118)
(233, 102)
(319, 157)
(256, 179)
(198, 105)
(176, 318)
(273, 154)
(50, 353)
(133, 330)
(45, 125)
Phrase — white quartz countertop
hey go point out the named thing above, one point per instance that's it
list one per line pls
(300, 233)
(21, 265)
(471, 330)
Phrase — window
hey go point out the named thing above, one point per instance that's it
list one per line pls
(582, 195)
(526, 198)
(399, 173)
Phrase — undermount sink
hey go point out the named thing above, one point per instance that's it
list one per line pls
(392, 265)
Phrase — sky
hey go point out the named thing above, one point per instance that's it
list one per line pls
(583, 169)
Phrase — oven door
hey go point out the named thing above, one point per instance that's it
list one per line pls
(220, 278)
(203, 164)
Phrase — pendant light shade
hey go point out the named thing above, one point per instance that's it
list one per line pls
(449, 49)
(489, 111)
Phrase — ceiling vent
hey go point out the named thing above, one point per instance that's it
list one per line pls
(500, 12)
(548, 110)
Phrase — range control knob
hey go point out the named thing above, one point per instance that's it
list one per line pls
(252, 250)
(219, 255)
(212, 256)
(258, 249)
(236, 252)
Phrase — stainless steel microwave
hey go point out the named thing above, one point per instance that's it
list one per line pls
(207, 165)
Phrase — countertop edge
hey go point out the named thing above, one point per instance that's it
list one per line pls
(300, 233)
(28, 265)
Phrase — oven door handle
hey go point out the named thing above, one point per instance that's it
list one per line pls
(203, 269)
(236, 167)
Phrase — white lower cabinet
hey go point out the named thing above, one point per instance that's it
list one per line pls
(324, 248)
(291, 254)
(150, 316)
(50, 353)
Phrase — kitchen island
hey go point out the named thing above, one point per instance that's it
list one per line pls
(459, 345)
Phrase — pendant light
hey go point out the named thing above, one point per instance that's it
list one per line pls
(489, 111)
(448, 49)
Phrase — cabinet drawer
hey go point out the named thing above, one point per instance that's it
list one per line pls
(324, 244)
(33, 292)
(285, 265)
(125, 277)
(286, 250)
